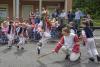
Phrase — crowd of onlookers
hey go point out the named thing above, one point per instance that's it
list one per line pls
(58, 24)
(51, 23)
(70, 27)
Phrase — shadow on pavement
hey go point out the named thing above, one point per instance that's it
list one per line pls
(92, 64)
(20, 52)
(41, 64)
(67, 63)
(1, 45)
(7, 50)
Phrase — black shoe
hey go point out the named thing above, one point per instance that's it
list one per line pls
(98, 58)
(9, 47)
(38, 51)
(67, 56)
(91, 59)
(22, 48)
(17, 47)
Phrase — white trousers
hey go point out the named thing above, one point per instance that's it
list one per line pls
(73, 56)
(45, 37)
(21, 41)
(91, 48)
(10, 39)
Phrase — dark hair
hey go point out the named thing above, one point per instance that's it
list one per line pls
(66, 29)
(85, 23)
(10, 22)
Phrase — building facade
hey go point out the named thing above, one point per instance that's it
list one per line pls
(22, 8)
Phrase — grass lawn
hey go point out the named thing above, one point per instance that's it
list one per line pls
(96, 22)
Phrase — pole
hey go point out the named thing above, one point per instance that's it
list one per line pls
(40, 7)
(66, 5)
(17, 8)
(14, 8)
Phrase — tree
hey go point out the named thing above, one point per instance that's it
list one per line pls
(88, 6)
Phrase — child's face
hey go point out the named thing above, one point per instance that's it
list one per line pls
(83, 25)
(64, 33)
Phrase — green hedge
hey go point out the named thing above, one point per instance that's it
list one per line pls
(96, 22)
(88, 6)
(1, 19)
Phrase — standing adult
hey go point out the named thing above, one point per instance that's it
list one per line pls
(70, 16)
(78, 15)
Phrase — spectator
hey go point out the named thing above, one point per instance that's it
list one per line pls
(70, 16)
(78, 15)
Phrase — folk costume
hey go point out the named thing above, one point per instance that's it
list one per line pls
(10, 35)
(22, 34)
(69, 45)
(89, 42)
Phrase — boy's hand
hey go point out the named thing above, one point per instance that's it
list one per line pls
(53, 51)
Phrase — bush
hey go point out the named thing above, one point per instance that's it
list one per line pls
(1, 19)
(91, 7)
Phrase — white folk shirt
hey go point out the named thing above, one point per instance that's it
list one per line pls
(69, 40)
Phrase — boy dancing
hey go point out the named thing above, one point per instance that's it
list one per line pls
(69, 43)
(10, 34)
(22, 36)
(88, 39)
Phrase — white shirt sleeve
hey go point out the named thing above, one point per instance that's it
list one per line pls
(83, 33)
(72, 31)
(40, 24)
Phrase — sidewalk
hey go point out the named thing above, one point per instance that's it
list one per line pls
(97, 33)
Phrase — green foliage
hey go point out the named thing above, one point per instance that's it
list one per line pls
(88, 6)
(96, 22)
(1, 19)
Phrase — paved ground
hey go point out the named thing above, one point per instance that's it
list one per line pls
(97, 32)
(29, 57)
